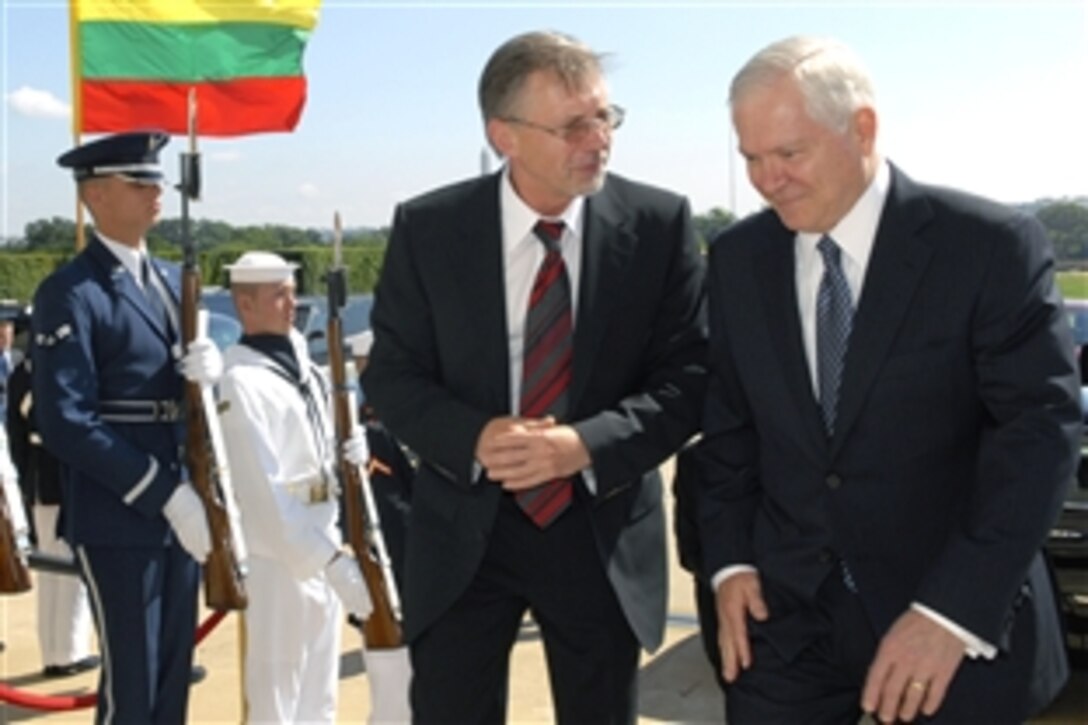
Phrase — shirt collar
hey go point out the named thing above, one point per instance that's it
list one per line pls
(856, 231)
(518, 218)
(129, 256)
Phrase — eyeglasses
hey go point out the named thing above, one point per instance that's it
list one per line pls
(578, 130)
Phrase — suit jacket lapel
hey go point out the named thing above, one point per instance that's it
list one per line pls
(897, 264)
(776, 266)
(608, 244)
(123, 284)
(474, 258)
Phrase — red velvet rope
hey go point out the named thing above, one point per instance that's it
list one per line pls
(54, 703)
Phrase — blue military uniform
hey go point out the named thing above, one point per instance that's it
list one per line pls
(107, 387)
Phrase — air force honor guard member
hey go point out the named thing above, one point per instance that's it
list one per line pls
(281, 442)
(108, 379)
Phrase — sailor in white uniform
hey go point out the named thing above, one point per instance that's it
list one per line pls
(281, 448)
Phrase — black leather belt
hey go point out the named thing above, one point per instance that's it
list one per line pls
(140, 411)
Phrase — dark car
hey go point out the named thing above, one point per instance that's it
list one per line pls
(223, 329)
(218, 300)
(311, 319)
(1068, 541)
(1078, 320)
(1068, 548)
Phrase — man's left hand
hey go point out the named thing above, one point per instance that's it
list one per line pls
(536, 455)
(914, 665)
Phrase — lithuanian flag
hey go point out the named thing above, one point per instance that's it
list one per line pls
(134, 61)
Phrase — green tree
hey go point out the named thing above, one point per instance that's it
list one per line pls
(51, 234)
(710, 224)
(1067, 224)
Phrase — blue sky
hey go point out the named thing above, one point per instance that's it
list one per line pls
(989, 96)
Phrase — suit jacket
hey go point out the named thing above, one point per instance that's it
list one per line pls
(955, 436)
(96, 339)
(439, 371)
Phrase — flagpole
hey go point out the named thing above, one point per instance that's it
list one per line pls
(77, 102)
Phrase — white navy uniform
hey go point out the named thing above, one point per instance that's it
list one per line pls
(280, 444)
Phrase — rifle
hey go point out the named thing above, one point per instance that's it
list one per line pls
(14, 573)
(382, 629)
(224, 589)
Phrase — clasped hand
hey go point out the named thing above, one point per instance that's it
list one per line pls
(521, 453)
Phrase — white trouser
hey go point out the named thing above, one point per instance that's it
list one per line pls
(64, 614)
(292, 661)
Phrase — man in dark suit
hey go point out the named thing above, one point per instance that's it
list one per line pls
(542, 493)
(872, 519)
(107, 395)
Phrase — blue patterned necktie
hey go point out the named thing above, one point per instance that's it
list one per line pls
(834, 320)
(546, 364)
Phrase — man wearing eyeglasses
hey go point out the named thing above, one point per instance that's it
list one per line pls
(539, 342)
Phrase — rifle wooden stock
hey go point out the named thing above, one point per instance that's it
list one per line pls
(382, 627)
(224, 589)
(14, 573)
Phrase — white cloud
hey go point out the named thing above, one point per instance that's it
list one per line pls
(308, 190)
(38, 104)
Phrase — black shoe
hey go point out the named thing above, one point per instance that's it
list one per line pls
(198, 674)
(72, 668)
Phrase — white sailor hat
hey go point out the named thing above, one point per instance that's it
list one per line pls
(132, 156)
(360, 343)
(260, 268)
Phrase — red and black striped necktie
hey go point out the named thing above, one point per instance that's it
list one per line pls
(546, 364)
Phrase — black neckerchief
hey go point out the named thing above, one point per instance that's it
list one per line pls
(277, 347)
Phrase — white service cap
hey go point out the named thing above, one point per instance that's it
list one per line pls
(360, 343)
(260, 268)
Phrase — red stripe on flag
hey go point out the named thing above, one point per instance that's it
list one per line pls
(227, 108)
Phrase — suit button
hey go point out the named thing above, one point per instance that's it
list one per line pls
(826, 556)
(833, 481)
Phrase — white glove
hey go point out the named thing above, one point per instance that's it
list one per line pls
(202, 364)
(356, 451)
(347, 581)
(390, 673)
(185, 512)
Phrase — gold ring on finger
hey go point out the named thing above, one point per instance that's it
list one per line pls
(917, 685)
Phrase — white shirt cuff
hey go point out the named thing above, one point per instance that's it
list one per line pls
(975, 647)
(723, 574)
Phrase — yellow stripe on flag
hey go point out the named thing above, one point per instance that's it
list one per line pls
(295, 13)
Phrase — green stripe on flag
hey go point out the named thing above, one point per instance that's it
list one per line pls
(188, 52)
